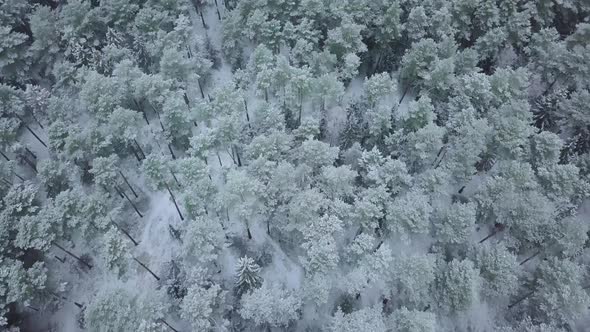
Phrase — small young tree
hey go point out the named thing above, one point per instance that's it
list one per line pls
(248, 277)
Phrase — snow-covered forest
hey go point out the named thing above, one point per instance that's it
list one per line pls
(295, 165)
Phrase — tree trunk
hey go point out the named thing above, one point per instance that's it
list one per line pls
(219, 158)
(168, 325)
(217, 8)
(135, 153)
(404, 94)
(247, 116)
(147, 269)
(174, 201)
(128, 184)
(71, 254)
(18, 176)
(30, 163)
(202, 19)
(238, 156)
(200, 88)
(521, 299)
(530, 257)
(139, 147)
(7, 182)
(31, 153)
(175, 178)
(121, 192)
(5, 157)
(493, 233)
(31, 131)
(171, 151)
(125, 232)
(37, 120)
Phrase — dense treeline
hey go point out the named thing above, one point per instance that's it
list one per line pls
(294, 165)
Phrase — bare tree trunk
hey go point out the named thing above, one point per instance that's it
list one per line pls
(168, 325)
(125, 232)
(31, 153)
(175, 178)
(147, 269)
(71, 254)
(128, 184)
(530, 257)
(30, 163)
(174, 201)
(121, 192)
(521, 299)
(135, 153)
(217, 8)
(18, 176)
(139, 147)
(238, 156)
(200, 88)
(171, 151)
(404, 94)
(202, 19)
(5, 157)
(31, 131)
(493, 233)
(219, 158)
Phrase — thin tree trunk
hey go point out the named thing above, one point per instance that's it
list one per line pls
(62, 260)
(7, 182)
(231, 154)
(168, 325)
(238, 156)
(202, 19)
(217, 8)
(530, 257)
(128, 184)
(521, 299)
(30, 163)
(174, 201)
(18, 176)
(404, 95)
(121, 192)
(489, 236)
(71, 254)
(118, 192)
(139, 147)
(186, 101)
(200, 88)
(247, 115)
(219, 158)
(175, 178)
(31, 153)
(37, 120)
(31, 131)
(135, 153)
(125, 232)
(147, 269)
(5, 157)
(171, 151)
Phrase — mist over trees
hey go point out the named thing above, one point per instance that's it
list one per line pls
(301, 165)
